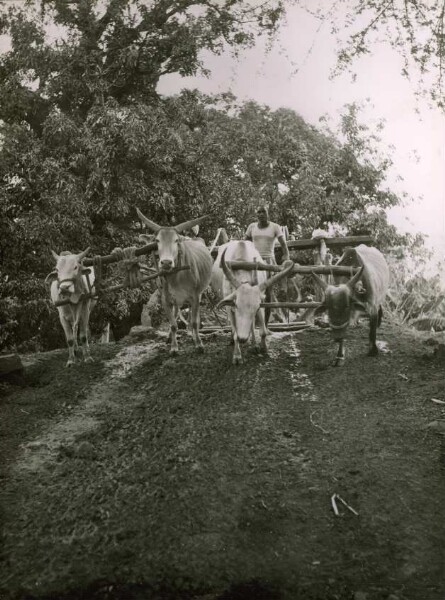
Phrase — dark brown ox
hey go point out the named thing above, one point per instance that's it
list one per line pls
(73, 283)
(243, 291)
(364, 292)
(183, 286)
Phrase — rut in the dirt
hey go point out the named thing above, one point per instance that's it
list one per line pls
(196, 476)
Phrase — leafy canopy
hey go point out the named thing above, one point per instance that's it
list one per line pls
(85, 139)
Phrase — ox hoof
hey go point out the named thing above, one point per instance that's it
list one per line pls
(70, 363)
(89, 359)
(339, 361)
(200, 349)
(173, 352)
(237, 360)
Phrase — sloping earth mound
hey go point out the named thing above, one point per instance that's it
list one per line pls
(146, 477)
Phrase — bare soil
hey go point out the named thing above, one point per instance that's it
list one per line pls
(143, 476)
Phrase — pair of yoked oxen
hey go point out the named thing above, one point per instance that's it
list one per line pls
(241, 291)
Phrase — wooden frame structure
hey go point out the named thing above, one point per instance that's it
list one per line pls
(320, 267)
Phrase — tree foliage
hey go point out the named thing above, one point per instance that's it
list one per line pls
(85, 139)
(414, 28)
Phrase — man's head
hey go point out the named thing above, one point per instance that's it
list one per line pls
(263, 215)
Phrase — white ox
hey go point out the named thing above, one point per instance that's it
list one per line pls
(344, 301)
(243, 291)
(183, 286)
(73, 283)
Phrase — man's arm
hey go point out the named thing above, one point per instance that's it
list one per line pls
(248, 234)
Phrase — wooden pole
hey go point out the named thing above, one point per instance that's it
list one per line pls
(112, 258)
(307, 244)
(338, 242)
(304, 270)
(290, 304)
(121, 286)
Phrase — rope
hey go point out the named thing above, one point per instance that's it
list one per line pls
(97, 264)
(130, 263)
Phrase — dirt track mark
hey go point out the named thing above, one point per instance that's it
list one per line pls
(88, 415)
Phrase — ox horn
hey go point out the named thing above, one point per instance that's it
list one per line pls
(351, 283)
(276, 278)
(150, 224)
(83, 254)
(228, 272)
(50, 276)
(321, 282)
(55, 255)
(189, 224)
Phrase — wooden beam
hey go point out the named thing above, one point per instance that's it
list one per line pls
(337, 242)
(122, 286)
(292, 326)
(112, 258)
(302, 270)
(290, 304)
(307, 244)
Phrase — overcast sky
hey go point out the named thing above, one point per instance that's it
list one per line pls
(295, 74)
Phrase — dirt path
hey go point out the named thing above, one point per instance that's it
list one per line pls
(151, 477)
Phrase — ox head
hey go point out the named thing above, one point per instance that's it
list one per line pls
(247, 297)
(341, 302)
(168, 239)
(68, 272)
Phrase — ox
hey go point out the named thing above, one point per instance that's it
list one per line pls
(243, 291)
(344, 302)
(182, 286)
(72, 282)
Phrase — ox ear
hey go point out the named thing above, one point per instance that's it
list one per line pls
(150, 224)
(82, 255)
(143, 237)
(55, 255)
(51, 277)
(227, 301)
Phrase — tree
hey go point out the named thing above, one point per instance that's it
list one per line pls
(84, 135)
(85, 139)
(414, 28)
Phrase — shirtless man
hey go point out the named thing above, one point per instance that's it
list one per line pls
(263, 234)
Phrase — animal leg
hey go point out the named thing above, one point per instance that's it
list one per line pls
(171, 310)
(267, 310)
(83, 326)
(263, 331)
(237, 358)
(68, 329)
(278, 313)
(231, 320)
(373, 321)
(379, 316)
(253, 338)
(194, 315)
(340, 358)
